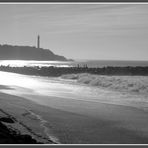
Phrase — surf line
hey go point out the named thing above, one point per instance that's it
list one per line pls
(43, 125)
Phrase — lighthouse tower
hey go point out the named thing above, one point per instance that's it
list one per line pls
(38, 41)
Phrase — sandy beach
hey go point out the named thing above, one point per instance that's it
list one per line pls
(70, 118)
(73, 73)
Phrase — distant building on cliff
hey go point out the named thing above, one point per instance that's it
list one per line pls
(38, 41)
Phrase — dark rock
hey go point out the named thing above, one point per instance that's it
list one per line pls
(7, 120)
(9, 136)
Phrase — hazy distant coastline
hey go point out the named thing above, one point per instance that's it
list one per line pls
(9, 52)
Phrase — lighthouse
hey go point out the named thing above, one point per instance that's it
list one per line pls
(38, 41)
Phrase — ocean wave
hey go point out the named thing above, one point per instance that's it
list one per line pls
(136, 84)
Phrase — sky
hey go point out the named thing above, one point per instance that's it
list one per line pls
(79, 31)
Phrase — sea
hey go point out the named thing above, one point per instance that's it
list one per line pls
(81, 63)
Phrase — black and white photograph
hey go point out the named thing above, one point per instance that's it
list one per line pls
(73, 73)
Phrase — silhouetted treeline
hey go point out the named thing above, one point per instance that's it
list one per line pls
(58, 71)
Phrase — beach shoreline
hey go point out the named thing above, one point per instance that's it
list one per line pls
(17, 128)
(70, 127)
(73, 74)
(54, 111)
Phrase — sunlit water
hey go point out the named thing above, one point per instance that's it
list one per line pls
(22, 63)
(89, 63)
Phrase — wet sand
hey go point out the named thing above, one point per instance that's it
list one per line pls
(85, 124)
(53, 112)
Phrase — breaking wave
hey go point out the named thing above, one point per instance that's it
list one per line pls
(136, 84)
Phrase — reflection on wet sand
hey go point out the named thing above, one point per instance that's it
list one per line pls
(77, 113)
